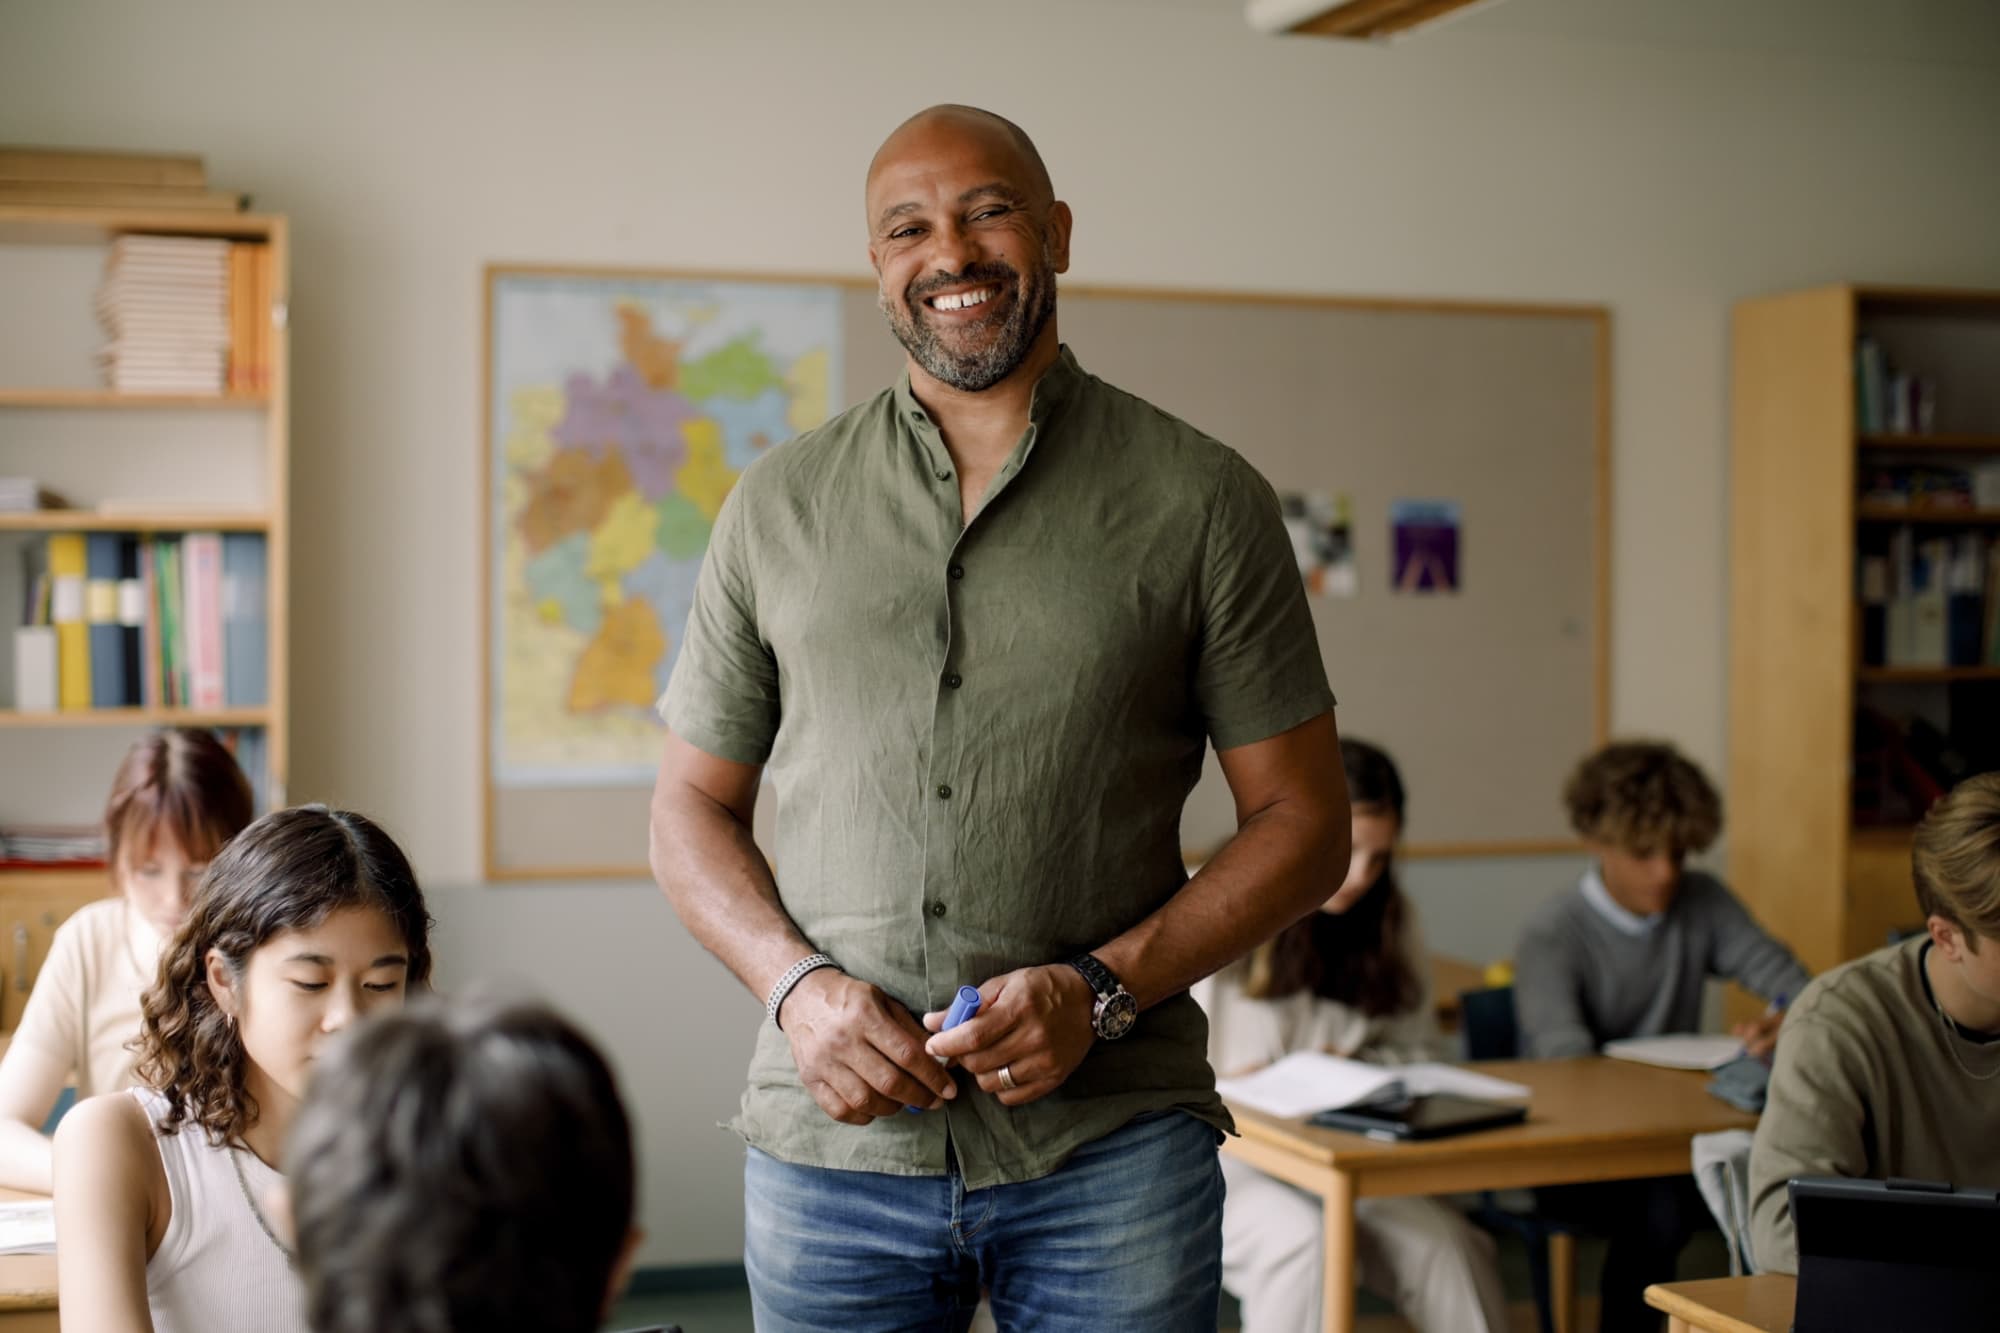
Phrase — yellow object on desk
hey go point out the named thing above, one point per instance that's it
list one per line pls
(1589, 1119)
(1760, 1304)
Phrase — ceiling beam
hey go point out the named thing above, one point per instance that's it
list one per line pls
(1362, 20)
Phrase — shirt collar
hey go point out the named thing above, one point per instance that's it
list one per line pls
(1625, 922)
(1055, 387)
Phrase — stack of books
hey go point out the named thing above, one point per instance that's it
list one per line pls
(72, 178)
(121, 620)
(1889, 401)
(165, 303)
(51, 845)
(22, 495)
(1931, 602)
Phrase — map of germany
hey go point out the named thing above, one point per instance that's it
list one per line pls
(623, 414)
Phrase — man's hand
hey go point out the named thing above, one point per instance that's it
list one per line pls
(1035, 1023)
(1759, 1036)
(860, 1053)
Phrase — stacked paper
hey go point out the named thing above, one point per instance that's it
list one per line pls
(1307, 1082)
(165, 305)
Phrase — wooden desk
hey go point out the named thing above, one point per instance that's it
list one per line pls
(1761, 1304)
(27, 1287)
(1589, 1119)
(1449, 977)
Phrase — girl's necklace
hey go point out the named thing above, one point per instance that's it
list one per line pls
(243, 1183)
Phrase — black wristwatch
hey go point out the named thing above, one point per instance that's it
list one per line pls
(1115, 1011)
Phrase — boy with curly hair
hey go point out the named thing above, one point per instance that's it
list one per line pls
(1626, 954)
(1889, 1062)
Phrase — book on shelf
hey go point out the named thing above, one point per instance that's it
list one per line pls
(52, 844)
(179, 313)
(1889, 400)
(201, 590)
(245, 636)
(143, 621)
(1930, 603)
(68, 574)
(1925, 489)
(97, 166)
(35, 654)
(107, 637)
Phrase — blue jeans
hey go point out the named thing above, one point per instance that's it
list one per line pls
(1126, 1235)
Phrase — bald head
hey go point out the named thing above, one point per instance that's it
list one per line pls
(948, 129)
(966, 239)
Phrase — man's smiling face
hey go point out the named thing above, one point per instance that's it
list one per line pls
(966, 244)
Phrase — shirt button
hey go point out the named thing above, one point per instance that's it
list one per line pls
(937, 908)
(944, 793)
(943, 475)
(952, 681)
(956, 571)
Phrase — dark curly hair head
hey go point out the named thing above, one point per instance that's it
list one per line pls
(288, 871)
(1644, 797)
(466, 1166)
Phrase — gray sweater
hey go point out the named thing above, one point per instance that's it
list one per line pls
(1580, 981)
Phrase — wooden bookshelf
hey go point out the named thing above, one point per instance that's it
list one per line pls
(1933, 444)
(35, 900)
(98, 399)
(1881, 675)
(164, 520)
(140, 717)
(1830, 887)
(1966, 518)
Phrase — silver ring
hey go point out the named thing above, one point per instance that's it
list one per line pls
(1006, 1079)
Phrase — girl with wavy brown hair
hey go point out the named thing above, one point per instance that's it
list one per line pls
(177, 798)
(309, 919)
(1350, 985)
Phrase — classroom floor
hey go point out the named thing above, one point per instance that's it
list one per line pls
(727, 1310)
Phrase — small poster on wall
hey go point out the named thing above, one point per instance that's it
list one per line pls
(1322, 529)
(1424, 546)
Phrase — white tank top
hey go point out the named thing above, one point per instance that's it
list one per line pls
(216, 1271)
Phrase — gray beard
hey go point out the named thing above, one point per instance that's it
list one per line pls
(978, 371)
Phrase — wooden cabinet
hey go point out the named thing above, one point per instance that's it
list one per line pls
(152, 464)
(1810, 848)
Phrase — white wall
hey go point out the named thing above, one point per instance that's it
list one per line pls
(1665, 159)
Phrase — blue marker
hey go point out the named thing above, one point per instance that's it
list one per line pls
(963, 1006)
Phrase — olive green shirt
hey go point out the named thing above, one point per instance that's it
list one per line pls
(981, 736)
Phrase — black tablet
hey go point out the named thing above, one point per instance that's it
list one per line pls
(1430, 1116)
(1877, 1254)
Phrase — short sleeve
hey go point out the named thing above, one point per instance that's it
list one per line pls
(723, 695)
(1259, 672)
(52, 1021)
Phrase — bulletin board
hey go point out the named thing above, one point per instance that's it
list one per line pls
(1446, 467)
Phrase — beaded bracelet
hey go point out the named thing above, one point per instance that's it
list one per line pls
(812, 962)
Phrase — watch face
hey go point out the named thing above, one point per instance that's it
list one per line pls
(1116, 1015)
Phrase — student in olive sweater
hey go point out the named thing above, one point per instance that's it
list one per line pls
(1625, 954)
(1891, 1064)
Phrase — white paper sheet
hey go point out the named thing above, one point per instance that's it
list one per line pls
(1309, 1081)
(28, 1227)
(1681, 1050)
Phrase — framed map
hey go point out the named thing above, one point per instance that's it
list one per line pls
(620, 410)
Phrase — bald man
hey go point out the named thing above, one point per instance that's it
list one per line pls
(979, 629)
